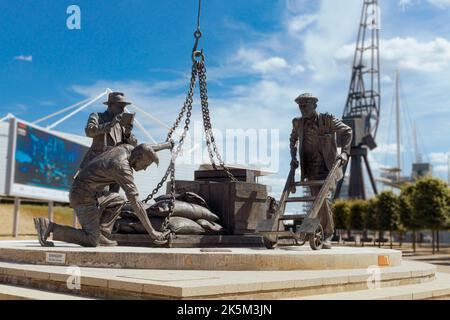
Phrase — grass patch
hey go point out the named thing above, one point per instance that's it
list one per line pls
(61, 215)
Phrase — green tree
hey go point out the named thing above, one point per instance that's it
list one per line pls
(355, 221)
(386, 214)
(409, 219)
(369, 217)
(430, 202)
(341, 211)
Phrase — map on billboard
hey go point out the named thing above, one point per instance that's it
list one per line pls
(44, 160)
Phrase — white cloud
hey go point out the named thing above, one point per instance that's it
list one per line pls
(408, 53)
(439, 157)
(304, 51)
(24, 58)
(386, 79)
(387, 149)
(329, 33)
(297, 69)
(301, 6)
(440, 169)
(298, 23)
(270, 65)
(442, 4)
(406, 3)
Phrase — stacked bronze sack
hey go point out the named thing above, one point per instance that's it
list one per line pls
(191, 216)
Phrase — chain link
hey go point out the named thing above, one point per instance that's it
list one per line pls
(210, 140)
(198, 71)
(188, 102)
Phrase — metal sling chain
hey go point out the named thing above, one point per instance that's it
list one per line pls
(186, 106)
(198, 70)
(175, 153)
(210, 140)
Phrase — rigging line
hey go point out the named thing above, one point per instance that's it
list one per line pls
(77, 110)
(141, 127)
(61, 111)
(7, 117)
(418, 151)
(155, 119)
(425, 150)
(408, 124)
(388, 137)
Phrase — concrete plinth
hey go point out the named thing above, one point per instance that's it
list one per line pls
(28, 271)
(230, 259)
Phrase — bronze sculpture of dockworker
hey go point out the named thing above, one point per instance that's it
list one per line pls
(105, 128)
(313, 137)
(113, 166)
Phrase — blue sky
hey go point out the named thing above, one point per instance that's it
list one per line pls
(260, 55)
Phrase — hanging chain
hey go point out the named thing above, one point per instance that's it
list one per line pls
(187, 103)
(186, 106)
(175, 154)
(210, 140)
(198, 70)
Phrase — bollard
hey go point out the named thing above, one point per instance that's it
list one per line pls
(75, 220)
(16, 217)
(50, 210)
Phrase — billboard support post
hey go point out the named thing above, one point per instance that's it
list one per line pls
(50, 211)
(16, 217)
(74, 219)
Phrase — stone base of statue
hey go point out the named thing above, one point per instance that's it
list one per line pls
(68, 271)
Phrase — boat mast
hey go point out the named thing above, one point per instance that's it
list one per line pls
(397, 108)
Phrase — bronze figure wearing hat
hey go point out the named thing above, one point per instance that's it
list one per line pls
(105, 128)
(313, 137)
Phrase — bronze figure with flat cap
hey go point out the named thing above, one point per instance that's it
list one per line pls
(313, 137)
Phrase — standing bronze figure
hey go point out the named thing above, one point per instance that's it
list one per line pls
(113, 166)
(314, 138)
(106, 129)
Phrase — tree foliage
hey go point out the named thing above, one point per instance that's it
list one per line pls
(369, 215)
(408, 217)
(341, 211)
(430, 202)
(387, 211)
(355, 221)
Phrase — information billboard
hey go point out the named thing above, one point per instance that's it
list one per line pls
(42, 163)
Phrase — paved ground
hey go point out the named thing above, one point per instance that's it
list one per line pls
(441, 261)
(193, 284)
(423, 253)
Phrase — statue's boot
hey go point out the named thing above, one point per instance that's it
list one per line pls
(103, 241)
(44, 228)
(327, 243)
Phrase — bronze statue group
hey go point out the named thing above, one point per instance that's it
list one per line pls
(115, 154)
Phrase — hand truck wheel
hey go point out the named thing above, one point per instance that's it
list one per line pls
(316, 239)
(269, 244)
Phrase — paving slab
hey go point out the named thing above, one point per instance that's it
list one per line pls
(212, 284)
(234, 259)
(8, 292)
(438, 288)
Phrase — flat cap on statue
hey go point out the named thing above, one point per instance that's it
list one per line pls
(306, 96)
(116, 97)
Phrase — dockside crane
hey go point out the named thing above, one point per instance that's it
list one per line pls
(362, 109)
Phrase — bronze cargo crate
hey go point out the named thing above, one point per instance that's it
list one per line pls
(240, 205)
